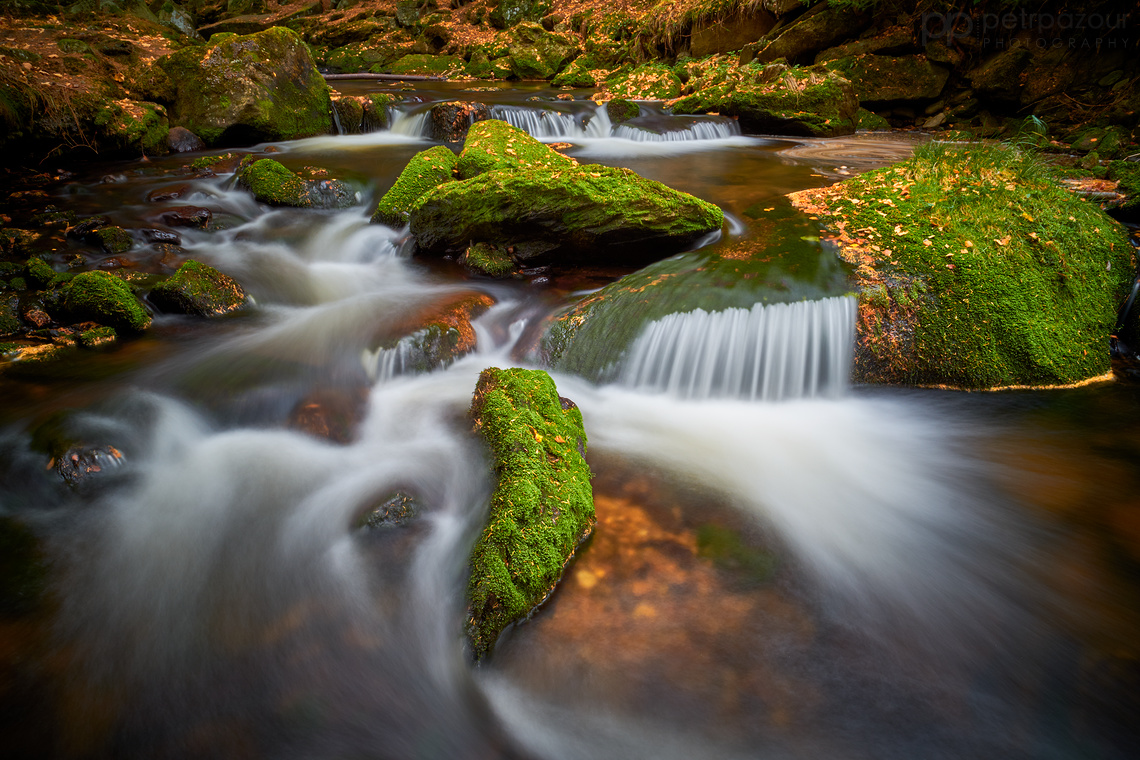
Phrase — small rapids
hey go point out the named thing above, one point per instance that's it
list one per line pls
(783, 565)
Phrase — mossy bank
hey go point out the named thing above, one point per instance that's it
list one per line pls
(976, 269)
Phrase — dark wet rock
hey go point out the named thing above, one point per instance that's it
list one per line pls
(167, 193)
(198, 289)
(161, 236)
(490, 260)
(116, 48)
(9, 321)
(1127, 175)
(349, 110)
(82, 462)
(182, 140)
(999, 77)
(880, 78)
(896, 39)
(187, 216)
(106, 299)
(542, 506)
(54, 218)
(729, 34)
(272, 183)
(242, 90)
(427, 170)
(331, 413)
(399, 509)
(810, 34)
(111, 239)
(15, 242)
(450, 121)
(37, 318)
(436, 339)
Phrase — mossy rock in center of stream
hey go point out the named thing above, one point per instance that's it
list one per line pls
(542, 507)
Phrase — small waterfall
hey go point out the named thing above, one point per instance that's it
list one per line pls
(383, 364)
(407, 122)
(698, 130)
(336, 120)
(542, 123)
(771, 353)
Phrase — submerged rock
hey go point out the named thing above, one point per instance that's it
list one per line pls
(198, 289)
(436, 340)
(248, 89)
(272, 183)
(542, 506)
(976, 270)
(774, 99)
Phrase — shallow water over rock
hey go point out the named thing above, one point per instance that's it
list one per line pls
(863, 572)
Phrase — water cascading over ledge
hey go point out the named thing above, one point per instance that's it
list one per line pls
(768, 353)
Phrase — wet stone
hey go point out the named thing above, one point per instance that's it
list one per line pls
(182, 140)
(162, 236)
(187, 216)
(167, 193)
(81, 462)
(398, 510)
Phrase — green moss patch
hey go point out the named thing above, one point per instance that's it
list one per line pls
(427, 170)
(977, 270)
(488, 259)
(652, 81)
(272, 183)
(199, 289)
(492, 144)
(592, 212)
(428, 65)
(103, 298)
(542, 506)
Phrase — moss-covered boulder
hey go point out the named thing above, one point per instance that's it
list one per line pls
(487, 259)
(247, 89)
(198, 289)
(583, 213)
(495, 145)
(506, 13)
(774, 99)
(882, 78)
(126, 126)
(542, 506)
(1127, 176)
(427, 170)
(975, 269)
(420, 64)
(538, 54)
(620, 110)
(272, 183)
(101, 297)
(450, 121)
(652, 81)
(800, 41)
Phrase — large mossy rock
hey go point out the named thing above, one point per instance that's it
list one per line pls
(653, 81)
(1127, 175)
(427, 170)
(774, 99)
(495, 145)
(975, 269)
(583, 213)
(811, 34)
(542, 506)
(592, 337)
(538, 54)
(506, 13)
(103, 298)
(198, 289)
(247, 89)
(881, 78)
(272, 183)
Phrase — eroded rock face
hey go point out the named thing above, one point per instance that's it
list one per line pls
(882, 78)
(246, 89)
(542, 507)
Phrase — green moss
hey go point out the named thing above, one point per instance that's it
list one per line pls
(492, 144)
(587, 212)
(134, 127)
(880, 78)
(112, 239)
(197, 288)
(996, 275)
(272, 183)
(39, 271)
(579, 73)
(538, 54)
(14, 242)
(620, 110)
(810, 101)
(104, 298)
(488, 259)
(542, 506)
(427, 170)
(97, 337)
(9, 321)
(428, 65)
(1127, 174)
(865, 119)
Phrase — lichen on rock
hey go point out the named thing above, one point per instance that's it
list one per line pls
(542, 506)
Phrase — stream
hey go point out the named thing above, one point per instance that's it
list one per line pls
(784, 566)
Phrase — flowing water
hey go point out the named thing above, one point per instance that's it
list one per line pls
(784, 566)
